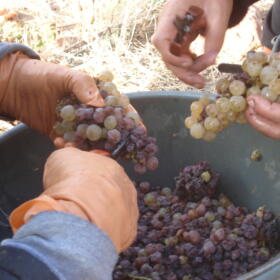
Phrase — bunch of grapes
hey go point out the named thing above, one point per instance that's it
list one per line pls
(206, 239)
(261, 76)
(195, 182)
(115, 128)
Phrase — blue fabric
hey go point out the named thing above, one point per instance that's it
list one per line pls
(71, 247)
(7, 48)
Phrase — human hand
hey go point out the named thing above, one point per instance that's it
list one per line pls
(217, 14)
(264, 116)
(88, 185)
(30, 90)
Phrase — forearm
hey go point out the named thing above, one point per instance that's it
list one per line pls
(68, 246)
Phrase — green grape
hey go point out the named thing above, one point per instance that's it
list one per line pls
(211, 110)
(109, 87)
(238, 103)
(94, 132)
(106, 76)
(189, 121)
(274, 87)
(254, 68)
(196, 109)
(111, 101)
(259, 57)
(253, 90)
(110, 122)
(104, 133)
(58, 128)
(204, 100)
(237, 87)
(231, 116)
(124, 101)
(223, 104)
(211, 124)
(222, 85)
(197, 131)
(67, 113)
(67, 126)
(268, 74)
(135, 116)
(274, 60)
(266, 93)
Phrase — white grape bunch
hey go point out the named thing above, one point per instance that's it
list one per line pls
(114, 127)
(261, 76)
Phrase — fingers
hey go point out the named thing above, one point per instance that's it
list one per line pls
(187, 76)
(164, 48)
(267, 127)
(217, 17)
(85, 89)
(204, 61)
(265, 109)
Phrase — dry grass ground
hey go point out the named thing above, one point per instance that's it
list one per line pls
(114, 34)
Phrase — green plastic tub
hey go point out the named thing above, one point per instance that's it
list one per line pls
(248, 183)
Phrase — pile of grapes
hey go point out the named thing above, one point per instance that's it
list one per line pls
(116, 128)
(261, 76)
(203, 237)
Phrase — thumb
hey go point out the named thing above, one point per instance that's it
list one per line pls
(84, 88)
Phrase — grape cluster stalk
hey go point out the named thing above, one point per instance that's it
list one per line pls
(261, 76)
(116, 128)
(203, 237)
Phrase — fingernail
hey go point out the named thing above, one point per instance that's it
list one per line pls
(252, 104)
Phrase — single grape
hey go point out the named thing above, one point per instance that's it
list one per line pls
(109, 87)
(241, 118)
(152, 163)
(67, 113)
(189, 121)
(211, 110)
(68, 126)
(94, 132)
(113, 136)
(237, 87)
(111, 100)
(197, 131)
(211, 124)
(268, 74)
(135, 116)
(196, 109)
(223, 104)
(222, 85)
(59, 129)
(231, 116)
(274, 87)
(204, 100)
(99, 115)
(259, 57)
(266, 93)
(81, 130)
(253, 90)
(110, 122)
(238, 103)
(254, 68)
(124, 101)
(106, 76)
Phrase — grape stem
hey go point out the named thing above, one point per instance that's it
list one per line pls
(138, 277)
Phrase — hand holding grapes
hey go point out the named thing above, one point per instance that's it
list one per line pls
(30, 90)
(264, 116)
(217, 13)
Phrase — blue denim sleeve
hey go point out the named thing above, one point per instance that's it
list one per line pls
(71, 247)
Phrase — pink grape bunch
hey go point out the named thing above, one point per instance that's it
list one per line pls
(186, 238)
(261, 76)
(116, 128)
